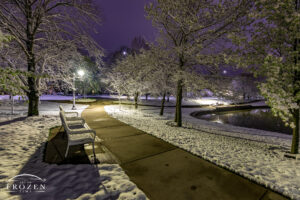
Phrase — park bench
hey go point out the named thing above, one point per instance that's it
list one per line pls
(69, 117)
(82, 135)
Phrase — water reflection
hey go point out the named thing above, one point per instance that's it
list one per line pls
(255, 118)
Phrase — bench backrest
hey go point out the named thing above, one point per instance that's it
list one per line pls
(62, 111)
(64, 121)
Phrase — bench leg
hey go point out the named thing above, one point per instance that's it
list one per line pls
(60, 128)
(67, 151)
(94, 152)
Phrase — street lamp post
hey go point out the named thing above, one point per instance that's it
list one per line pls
(74, 107)
(80, 73)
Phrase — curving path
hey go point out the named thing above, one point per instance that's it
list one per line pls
(164, 171)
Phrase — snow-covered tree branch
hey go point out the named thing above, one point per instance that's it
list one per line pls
(271, 48)
(46, 36)
(193, 30)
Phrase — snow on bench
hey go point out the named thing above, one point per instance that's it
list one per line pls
(76, 136)
(76, 118)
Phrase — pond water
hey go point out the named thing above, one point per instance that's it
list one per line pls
(254, 118)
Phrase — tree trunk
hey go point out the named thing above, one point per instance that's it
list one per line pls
(32, 94)
(119, 97)
(178, 114)
(162, 104)
(136, 96)
(147, 97)
(33, 102)
(84, 92)
(296, 130)
(168, 97)
(175, 120)
(296, 133)
(244, 96)
(12, 104)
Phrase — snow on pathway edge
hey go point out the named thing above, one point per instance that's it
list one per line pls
(258, 161)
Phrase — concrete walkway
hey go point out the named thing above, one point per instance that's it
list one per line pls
(164, 171)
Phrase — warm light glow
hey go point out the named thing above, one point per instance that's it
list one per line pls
(80, 73)
(218, 121)
(210, 101)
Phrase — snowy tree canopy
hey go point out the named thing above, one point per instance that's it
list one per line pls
(40, 29)
(194, 31)
(271, 48)
(8, 77)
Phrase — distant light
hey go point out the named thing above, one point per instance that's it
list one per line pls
(218, 121)
(206, 101)
(80, 73)
(224, 72)
(124, 53)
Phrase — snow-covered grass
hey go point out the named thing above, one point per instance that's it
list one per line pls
(185, 101)
(43, 97)
(281, 139)
(45, 107)
(53, 97)
(88, 100)
(156, 101)
(22, 143)
(254, 154)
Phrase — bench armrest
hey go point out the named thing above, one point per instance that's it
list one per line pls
(72, 113)
(75, 119)
(79, 122)
(78, 131)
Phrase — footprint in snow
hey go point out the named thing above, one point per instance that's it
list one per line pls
(24, 148)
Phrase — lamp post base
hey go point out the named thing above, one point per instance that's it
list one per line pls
(74, 108)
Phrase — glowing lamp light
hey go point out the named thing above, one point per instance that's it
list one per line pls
(80, 73)
(210, 101)
(124, 53)
(224, 72)
(218, 121)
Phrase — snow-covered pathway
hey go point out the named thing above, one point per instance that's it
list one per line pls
(251, 153)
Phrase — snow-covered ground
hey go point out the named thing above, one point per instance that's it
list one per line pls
(22, 144)
(151, 100)
(45, 107)
(43, 97)
(156, 101)
(254, 154)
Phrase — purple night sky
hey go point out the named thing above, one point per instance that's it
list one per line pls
(122, 21)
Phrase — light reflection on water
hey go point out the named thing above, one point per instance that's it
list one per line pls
(255, 118)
